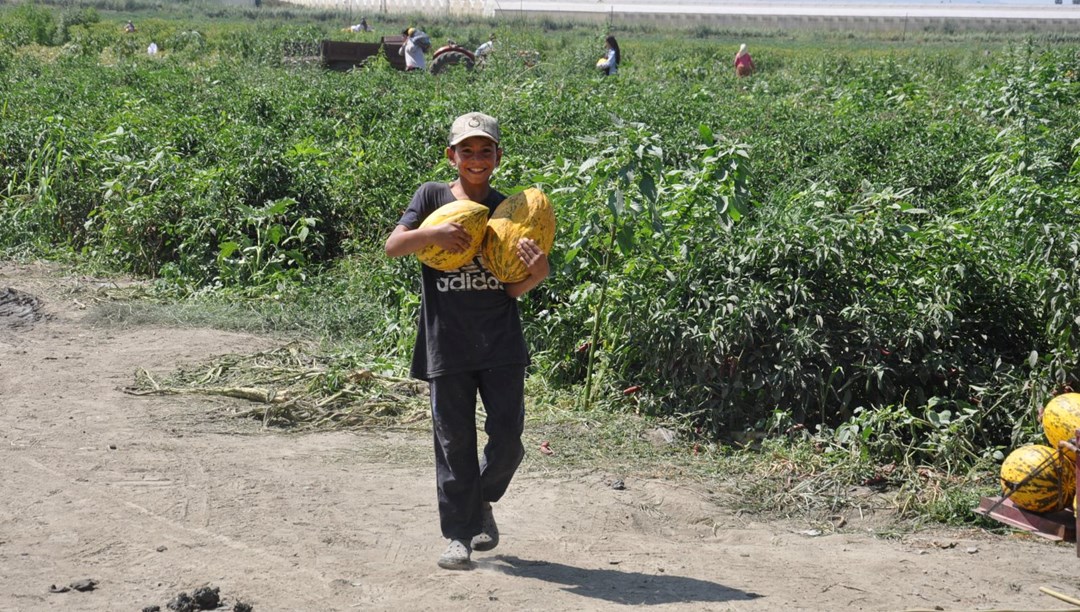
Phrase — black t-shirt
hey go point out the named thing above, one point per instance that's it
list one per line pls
(467, 321)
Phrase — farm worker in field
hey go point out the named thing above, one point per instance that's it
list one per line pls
(152, 49)
(359, 27)
(469, 340)
(413, 52)
(612, 57)
(744, 66)
(129, 27)
(485, 49)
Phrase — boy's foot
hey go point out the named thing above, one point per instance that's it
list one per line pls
(456, 556)
(488, 537)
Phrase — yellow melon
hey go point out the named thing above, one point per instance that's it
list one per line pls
(472, 216)
(1061, 419)
(527, 214)
(1038, 478)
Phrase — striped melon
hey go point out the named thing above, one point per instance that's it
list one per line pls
(1038, 478)
(527, 214)
(472, 216)
(1060, 420)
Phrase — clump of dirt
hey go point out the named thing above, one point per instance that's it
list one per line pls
(206, 598)
(18, 309)
(88, 584)
(202, 598)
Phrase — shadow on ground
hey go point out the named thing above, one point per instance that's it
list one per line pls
(631, 588)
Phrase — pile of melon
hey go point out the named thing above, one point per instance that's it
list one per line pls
(1042, 478)
(527, 214)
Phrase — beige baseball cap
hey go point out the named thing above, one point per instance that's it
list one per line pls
(474, 124)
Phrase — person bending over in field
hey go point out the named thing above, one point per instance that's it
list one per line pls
(358, 27)
(469, 341)
(744, 66)
(485, 49)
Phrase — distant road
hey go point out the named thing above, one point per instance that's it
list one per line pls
(781, 14)
(855, 16)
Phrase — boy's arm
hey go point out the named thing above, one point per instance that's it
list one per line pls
(537, 263)
(451, 236)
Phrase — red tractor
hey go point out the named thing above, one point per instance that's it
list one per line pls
(343, 55)
(451, 54)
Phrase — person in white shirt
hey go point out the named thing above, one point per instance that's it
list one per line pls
(612, 57)
(414, 54)
(486, 48)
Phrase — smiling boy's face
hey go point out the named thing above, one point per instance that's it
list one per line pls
(475, 159)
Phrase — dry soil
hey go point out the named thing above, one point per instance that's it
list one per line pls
(153, 496)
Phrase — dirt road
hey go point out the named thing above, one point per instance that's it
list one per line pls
(151, 496)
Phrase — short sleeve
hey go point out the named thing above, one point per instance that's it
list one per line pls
(427, 198)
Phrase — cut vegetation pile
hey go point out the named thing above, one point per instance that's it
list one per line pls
(296, 389)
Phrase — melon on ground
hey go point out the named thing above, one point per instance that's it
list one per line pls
(1038, 478)
(472, 216)
(1060, 420)
(527, 214)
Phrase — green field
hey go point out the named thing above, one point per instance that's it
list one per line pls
(868, 246)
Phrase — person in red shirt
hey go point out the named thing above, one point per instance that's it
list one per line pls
(744, 66)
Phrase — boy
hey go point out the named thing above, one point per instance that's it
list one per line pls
(469, 340)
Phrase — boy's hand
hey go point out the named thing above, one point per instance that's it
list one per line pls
(452, 237)
(537, 263)
(534, 259)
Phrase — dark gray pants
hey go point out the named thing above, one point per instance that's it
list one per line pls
(465, 481)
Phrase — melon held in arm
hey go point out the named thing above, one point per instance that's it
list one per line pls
(472, 216)
(527, 214)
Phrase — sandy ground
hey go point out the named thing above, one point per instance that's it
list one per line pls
(152, 496)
